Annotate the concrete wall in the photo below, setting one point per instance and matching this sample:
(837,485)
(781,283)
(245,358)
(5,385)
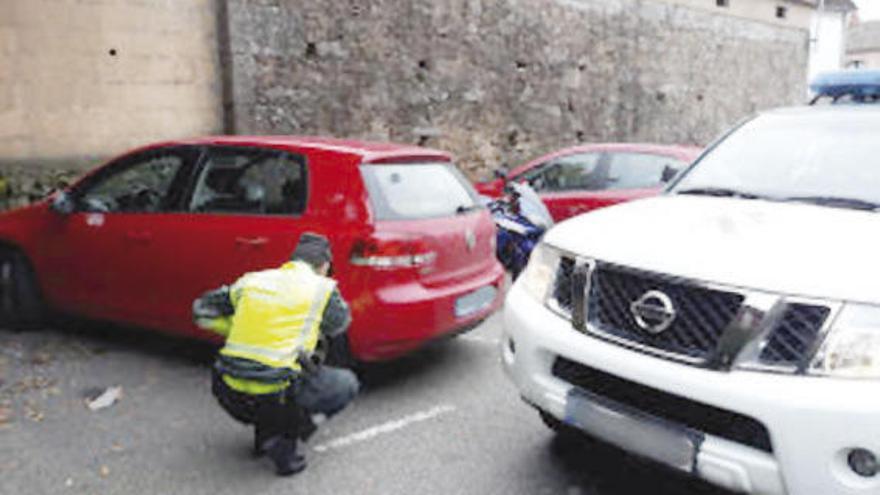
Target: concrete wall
(85,79)
(505,80)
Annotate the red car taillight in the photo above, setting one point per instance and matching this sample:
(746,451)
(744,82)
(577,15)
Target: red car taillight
(390,252)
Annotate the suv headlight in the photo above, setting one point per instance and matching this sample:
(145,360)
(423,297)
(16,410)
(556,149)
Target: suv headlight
(852,348)
(538,276)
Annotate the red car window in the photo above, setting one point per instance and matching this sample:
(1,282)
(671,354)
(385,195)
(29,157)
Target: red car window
(148,182)
(584,171)
(250,181)
(641,170)
(414,191)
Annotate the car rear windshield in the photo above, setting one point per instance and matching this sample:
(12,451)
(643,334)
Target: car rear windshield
(417,190)
(823,153)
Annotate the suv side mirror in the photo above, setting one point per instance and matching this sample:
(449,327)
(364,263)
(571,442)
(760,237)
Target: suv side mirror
(500,173)
(62,203)
(668,174)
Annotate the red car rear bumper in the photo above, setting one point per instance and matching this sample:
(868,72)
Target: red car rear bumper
(394,320)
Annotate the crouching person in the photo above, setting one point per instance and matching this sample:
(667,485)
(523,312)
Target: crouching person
(268,373)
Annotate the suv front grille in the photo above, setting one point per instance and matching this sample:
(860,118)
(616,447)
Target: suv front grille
(562,289)
(702,417)
(792,340)
(703,314)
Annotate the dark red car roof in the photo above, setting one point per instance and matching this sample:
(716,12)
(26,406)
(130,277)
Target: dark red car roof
(686,153)
(368,151)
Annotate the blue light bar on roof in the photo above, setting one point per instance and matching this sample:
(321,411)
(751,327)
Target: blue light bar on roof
(855,82)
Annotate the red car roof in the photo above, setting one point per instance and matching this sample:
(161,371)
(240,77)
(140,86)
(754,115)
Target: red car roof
(369,151)
(684,152)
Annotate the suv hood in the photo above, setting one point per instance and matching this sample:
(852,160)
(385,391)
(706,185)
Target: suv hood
(790,248)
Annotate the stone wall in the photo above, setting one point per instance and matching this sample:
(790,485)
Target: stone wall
(504,80)
(493,81)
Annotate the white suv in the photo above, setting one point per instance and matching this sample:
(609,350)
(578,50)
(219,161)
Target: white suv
(729,328)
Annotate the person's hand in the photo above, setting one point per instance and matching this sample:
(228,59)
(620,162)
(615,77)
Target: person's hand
(309,363)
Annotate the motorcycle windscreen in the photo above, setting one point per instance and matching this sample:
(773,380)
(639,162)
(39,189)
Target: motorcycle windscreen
(532,207)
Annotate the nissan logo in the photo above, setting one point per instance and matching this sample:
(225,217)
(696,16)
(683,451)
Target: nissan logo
(654,312)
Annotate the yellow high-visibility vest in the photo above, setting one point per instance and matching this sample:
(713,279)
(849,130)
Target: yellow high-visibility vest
(278,314)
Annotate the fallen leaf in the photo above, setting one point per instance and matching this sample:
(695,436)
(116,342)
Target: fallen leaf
(41,358)
(105,471)
(117,448)
(34,414)
(5,415)
(105,399)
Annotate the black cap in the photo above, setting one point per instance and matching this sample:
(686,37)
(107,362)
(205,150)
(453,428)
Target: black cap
(313,248)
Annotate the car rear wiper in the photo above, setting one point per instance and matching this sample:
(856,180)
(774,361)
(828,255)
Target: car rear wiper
(721,192)
(837,202)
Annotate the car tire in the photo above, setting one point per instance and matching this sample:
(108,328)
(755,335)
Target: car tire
(564,435)
(21,303)
(551,421)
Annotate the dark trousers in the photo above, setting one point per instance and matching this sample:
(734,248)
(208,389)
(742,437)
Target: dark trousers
(287,413)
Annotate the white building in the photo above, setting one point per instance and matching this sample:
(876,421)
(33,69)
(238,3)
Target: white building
(828,35)
(863,45)
(794,13)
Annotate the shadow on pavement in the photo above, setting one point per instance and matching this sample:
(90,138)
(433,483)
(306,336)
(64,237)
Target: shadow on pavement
(597,467)
(389,374)
(99,337)
(103,337)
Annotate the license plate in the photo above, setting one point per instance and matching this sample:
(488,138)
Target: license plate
(633,430)
(475,301)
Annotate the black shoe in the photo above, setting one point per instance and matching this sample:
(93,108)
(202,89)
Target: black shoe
(307,428)
(259,449)
(259,444)
(283,453)
(260,441)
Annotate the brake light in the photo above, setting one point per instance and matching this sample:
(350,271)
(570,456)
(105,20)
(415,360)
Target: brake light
(387,252)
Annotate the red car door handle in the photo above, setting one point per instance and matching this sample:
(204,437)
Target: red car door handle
(251,241)
(140,237)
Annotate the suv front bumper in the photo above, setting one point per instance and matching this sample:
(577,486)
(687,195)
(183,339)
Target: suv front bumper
(813,422)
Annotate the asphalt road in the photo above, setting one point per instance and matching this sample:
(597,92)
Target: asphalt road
(444,421)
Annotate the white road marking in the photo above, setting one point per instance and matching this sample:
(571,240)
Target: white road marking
(384,428)
(479,339)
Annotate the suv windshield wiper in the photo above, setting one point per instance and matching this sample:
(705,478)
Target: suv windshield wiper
(461,209)
(837,202)
(720,192)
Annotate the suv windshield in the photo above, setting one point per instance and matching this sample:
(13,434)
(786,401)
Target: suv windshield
(413,191)
(822,156)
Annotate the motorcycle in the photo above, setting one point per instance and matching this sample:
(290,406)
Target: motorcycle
(521,220)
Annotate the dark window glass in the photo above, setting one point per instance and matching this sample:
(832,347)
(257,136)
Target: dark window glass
(585,171)
(251,181)
(641,170)
(145,183)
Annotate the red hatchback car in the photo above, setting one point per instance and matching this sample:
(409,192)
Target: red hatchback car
(138,239)
(583,178)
